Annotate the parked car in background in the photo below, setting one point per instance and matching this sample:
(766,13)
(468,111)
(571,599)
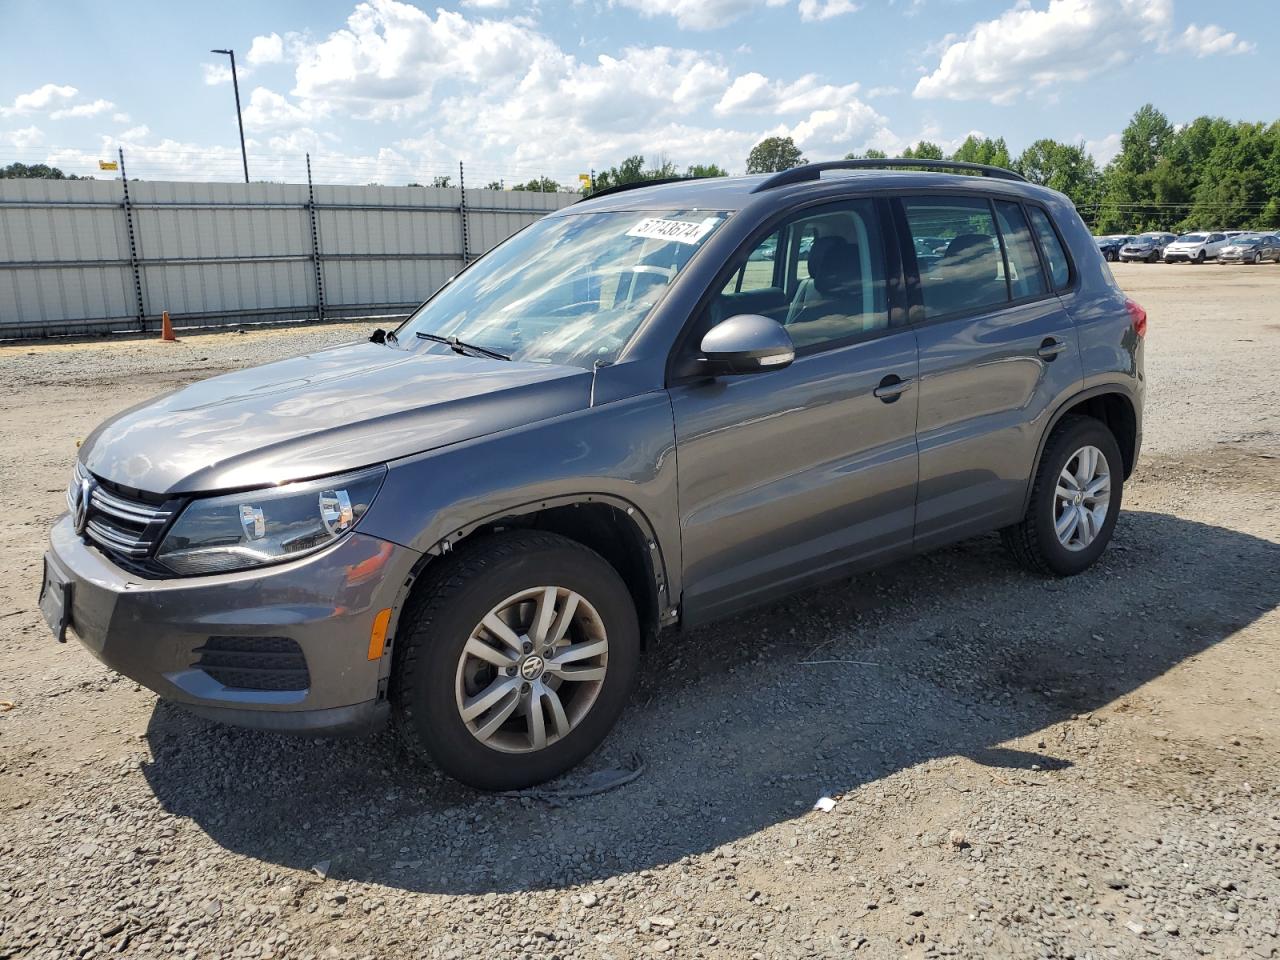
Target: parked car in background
(1195,248)
(662,405)
(1147,247)
(1231,234)
(1110,246)
(1251,248)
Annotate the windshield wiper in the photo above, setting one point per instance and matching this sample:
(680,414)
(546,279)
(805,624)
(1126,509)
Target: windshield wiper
(458,346)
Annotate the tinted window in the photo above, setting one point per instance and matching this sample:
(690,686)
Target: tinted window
(1025,277)
(1056,257)
(966,272)
(833,285)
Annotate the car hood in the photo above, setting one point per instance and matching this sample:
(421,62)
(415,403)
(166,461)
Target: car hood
(322,413)
(1187,244)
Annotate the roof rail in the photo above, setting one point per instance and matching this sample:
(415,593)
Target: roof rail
(812,171)
(634,185)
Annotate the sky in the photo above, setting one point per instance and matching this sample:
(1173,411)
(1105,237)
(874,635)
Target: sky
(390,92)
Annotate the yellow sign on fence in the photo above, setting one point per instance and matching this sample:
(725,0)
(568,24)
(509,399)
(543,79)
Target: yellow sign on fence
(107,165)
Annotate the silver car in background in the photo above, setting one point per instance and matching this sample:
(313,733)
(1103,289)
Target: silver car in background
(1251,248)
(1147,247)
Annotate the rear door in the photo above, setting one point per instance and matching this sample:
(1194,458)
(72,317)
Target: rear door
(997,352)
(787,475)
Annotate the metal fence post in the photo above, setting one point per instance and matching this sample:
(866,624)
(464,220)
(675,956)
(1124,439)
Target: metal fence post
(133,247)
(315,243)
(462,212)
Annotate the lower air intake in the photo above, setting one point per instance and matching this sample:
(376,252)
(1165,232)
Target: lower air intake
(254,663)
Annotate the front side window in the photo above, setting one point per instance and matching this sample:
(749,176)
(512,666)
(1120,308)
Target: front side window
(968,274)
(1055,257)
(567,290)
(826,280)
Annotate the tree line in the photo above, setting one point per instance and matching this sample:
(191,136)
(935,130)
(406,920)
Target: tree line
(1209,173)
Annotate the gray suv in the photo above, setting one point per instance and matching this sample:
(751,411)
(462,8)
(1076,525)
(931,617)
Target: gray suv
(656,407)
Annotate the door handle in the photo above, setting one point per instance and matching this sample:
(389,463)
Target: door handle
(1050,348)
(892,387)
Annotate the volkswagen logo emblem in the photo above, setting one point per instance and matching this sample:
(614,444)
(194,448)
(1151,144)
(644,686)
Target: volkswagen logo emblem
(80,505)
(531,669)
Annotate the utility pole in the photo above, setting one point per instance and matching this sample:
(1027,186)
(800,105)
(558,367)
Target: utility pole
(235,83)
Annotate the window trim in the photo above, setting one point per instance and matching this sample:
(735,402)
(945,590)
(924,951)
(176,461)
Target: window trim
(1045,276)
(916,316)
(894,279)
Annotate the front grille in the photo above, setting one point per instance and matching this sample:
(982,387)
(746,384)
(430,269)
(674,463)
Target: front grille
(121,524)
(254,663)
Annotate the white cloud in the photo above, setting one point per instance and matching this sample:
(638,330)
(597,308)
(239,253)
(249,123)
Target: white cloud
(82,110)
(268,110)
(266,49)
(1105,149)
(1210,40)
(756,92)
(216,73)
(38,99)
(814,10)
(702,14)
(22,138)
(486,4)
(120,117)
(140,132)
(1026,49)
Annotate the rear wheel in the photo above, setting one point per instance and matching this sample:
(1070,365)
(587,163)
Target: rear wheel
(516,660)
(1075,500)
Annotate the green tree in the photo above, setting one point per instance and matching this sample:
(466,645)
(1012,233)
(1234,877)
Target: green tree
(494,185)
(924,150)
(870,154)
(1065,167)
(36,171)
(773,154)
(539,185)
(983,150)
(442,181)
(698,171)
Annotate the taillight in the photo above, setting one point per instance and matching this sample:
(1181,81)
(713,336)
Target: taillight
(1138,316)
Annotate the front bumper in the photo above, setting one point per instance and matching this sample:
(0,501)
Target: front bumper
(1179,256)
(324,605)
(1137,254)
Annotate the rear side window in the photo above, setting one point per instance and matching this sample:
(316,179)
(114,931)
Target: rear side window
(1025,277)
(1059,269)
(957,252)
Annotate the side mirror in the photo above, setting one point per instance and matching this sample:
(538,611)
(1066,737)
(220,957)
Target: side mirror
(747,343)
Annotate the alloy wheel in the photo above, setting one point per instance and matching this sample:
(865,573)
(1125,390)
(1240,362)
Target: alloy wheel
(1082,498)
(531,669)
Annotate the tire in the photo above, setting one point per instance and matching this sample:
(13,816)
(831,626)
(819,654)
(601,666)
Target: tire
(1154,258)
(1034,541)
(434,672)
(1200,258)
(1254,260)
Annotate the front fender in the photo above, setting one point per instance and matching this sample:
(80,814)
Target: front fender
(622,453)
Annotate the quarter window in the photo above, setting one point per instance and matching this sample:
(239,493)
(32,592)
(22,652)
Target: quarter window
(1025,278)
(1059,269)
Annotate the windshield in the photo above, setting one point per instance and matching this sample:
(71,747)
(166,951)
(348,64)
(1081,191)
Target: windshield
(1191,238)
(1142,240)
(1246,241)
(569,289)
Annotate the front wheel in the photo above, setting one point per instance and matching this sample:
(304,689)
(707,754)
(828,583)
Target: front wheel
(1075,500)
(516,660)
(1200,257)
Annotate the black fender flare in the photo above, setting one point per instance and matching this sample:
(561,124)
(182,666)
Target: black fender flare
(1061,411)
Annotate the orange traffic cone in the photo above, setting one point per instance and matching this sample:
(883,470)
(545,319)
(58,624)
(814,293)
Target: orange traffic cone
(166,328)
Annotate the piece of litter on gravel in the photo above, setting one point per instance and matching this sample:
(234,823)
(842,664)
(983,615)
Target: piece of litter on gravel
(1136,928)
(6,706)
(321,869)
(598,781)
(825,804)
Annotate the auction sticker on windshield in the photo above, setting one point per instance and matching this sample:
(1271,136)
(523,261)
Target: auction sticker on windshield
(681,231)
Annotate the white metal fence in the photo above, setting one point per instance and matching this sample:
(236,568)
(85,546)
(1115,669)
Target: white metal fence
(87,256)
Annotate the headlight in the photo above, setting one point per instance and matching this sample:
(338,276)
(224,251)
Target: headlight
(259,527)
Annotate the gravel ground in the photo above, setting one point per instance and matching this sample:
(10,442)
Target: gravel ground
(1020,767)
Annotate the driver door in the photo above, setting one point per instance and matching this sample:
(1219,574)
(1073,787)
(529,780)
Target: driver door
(796,474)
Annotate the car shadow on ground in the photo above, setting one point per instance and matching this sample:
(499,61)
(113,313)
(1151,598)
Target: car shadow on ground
(744,724)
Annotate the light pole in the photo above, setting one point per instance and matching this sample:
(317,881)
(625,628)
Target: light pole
(235,83)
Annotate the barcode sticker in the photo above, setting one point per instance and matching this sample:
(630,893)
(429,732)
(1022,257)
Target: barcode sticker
(680,231)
